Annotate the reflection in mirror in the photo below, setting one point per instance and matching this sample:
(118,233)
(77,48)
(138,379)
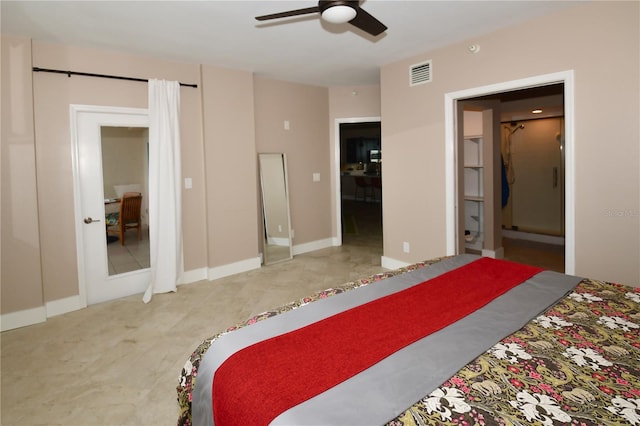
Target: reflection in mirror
(125,170)
(275,207)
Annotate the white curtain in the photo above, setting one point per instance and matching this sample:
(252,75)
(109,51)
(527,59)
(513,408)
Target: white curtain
(165,201)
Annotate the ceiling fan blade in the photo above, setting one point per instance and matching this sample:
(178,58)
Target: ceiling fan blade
(368,23)
(296,12)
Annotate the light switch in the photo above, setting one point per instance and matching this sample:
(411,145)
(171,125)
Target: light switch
(286,125)
(188,183)
(316,177)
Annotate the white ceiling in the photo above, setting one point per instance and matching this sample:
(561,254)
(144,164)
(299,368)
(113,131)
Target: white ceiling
(302,49)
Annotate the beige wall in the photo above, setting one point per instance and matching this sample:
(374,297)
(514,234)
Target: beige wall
(20,282)
(306,145)
(220,212)
(600,41)
(231,168)
(52,95)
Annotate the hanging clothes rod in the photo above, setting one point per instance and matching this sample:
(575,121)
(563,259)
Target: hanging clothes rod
(86,74)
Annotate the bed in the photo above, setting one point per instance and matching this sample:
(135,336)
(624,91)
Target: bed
(518,346)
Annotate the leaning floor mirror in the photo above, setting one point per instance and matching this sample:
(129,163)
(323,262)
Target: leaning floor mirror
(275,207)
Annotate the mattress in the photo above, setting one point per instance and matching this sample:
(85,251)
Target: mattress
(552,349)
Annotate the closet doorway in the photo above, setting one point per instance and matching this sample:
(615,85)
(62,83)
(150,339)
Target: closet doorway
(529,221)
(537,218)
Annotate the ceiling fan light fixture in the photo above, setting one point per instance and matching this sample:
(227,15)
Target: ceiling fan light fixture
(339,14)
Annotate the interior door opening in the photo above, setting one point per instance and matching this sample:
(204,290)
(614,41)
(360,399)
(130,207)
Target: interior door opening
(361,183)
(532,188)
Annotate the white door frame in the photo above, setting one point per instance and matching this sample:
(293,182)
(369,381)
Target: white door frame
(135,117)
(337,239)
(450,113)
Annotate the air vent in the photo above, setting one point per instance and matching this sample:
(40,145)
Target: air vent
(420,73)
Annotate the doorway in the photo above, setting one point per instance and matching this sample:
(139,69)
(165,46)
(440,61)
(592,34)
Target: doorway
(89,124)
(564,80)
(359,189)
(529,218)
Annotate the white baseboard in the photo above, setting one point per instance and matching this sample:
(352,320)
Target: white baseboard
(233,268)
(40,314)
(62,306)
(496,254)
(389,263)
(312,246)
(193,276)
(23,318)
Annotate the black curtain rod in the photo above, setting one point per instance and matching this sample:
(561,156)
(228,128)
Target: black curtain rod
(86,74)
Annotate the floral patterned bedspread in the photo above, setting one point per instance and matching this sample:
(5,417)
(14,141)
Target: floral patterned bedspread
(577,363)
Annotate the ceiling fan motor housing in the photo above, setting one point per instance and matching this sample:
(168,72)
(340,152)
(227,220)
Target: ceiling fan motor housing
(338,12)
(327,4)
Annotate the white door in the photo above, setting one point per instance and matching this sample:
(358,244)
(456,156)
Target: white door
(95,283)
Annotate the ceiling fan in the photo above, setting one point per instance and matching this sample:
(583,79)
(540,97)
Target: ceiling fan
(337,12)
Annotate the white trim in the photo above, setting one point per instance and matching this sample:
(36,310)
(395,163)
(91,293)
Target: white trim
(23,318)
(193,276)
(450,173)
(233,268)
(74,111)
(335,187)
(314,245)
(389,263)
(565,77)
(496,254)
(63,306)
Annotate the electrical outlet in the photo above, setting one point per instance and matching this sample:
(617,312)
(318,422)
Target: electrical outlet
(405,247)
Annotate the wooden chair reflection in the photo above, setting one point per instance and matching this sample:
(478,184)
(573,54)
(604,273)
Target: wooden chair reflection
(127,218)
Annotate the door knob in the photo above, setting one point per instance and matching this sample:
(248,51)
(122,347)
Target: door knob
(89,220)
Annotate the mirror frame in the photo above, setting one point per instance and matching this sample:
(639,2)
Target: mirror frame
(270,182)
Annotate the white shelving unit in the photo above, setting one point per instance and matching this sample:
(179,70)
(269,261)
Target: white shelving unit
(473,192)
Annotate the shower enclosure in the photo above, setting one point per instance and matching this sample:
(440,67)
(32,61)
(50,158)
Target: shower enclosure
(532,151)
